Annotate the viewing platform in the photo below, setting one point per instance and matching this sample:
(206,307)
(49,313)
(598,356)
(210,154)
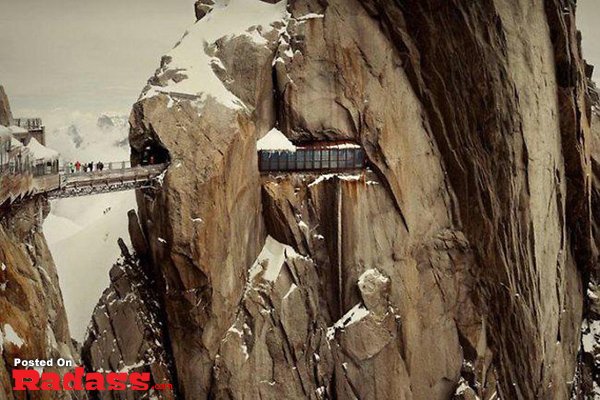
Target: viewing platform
(276,153)
(312,159)
(55,183)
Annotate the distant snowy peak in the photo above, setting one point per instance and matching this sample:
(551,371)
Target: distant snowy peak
(91,137)
(112,122)
(75,136)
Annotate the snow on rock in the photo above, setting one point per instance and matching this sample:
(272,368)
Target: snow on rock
(12,337)
(275,140)
(5,132)
(343,145)
(343,177)
(271,259)
(293,287)
(189,59)
(591,337)
(41,152)
(357,313)
(16,129)
(310,16)
(374,290)
(372,274)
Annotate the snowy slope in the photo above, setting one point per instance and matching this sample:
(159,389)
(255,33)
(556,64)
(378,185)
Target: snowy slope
(82,232)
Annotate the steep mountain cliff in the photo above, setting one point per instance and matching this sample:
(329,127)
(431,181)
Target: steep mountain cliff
(6,118)
(454,266)
(33,323)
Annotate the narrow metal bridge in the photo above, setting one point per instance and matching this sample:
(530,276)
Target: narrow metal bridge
(104,181)
(16,184)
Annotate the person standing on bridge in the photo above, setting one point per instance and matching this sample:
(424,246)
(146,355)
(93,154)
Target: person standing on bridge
(77,166)
(91,166)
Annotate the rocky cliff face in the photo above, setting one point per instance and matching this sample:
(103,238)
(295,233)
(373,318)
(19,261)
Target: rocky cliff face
(6,117)
(454,267)
(33,323)
(588,373)
(126,333)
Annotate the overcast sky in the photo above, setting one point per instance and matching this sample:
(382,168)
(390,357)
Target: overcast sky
(95,55)
(84,55)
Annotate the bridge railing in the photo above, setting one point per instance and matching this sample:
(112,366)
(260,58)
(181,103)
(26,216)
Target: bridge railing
(311,159)
(71,169)
(29,123)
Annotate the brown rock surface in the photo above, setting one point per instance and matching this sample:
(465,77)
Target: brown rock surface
(6,117)
(33,323)
(126,332)
(453,268)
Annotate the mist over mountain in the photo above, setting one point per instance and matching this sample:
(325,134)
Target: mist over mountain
(88,137)
(82,232)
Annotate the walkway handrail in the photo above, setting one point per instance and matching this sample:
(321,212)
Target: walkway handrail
(69,168)
(311,159)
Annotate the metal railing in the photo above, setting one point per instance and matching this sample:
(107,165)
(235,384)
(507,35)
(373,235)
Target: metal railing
(311,159)
(18,161)
(71,168)
(30,124)
(107,180)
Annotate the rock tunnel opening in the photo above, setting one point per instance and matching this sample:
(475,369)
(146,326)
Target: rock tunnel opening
(152,153)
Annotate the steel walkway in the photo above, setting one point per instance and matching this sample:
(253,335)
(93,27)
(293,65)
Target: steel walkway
(106,181)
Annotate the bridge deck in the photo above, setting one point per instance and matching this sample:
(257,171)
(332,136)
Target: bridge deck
(18,186)
(86,183)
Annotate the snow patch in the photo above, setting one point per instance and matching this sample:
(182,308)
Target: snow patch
(373,274)
(591,336)
(10,336)
(83,242)
(41,152)
(189,58)
(271,259)
(342,177)
(243,345)
(357,313)
(128,368)
(275,140)
(291,290)
(322,178)
(310,16)
(302,225)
